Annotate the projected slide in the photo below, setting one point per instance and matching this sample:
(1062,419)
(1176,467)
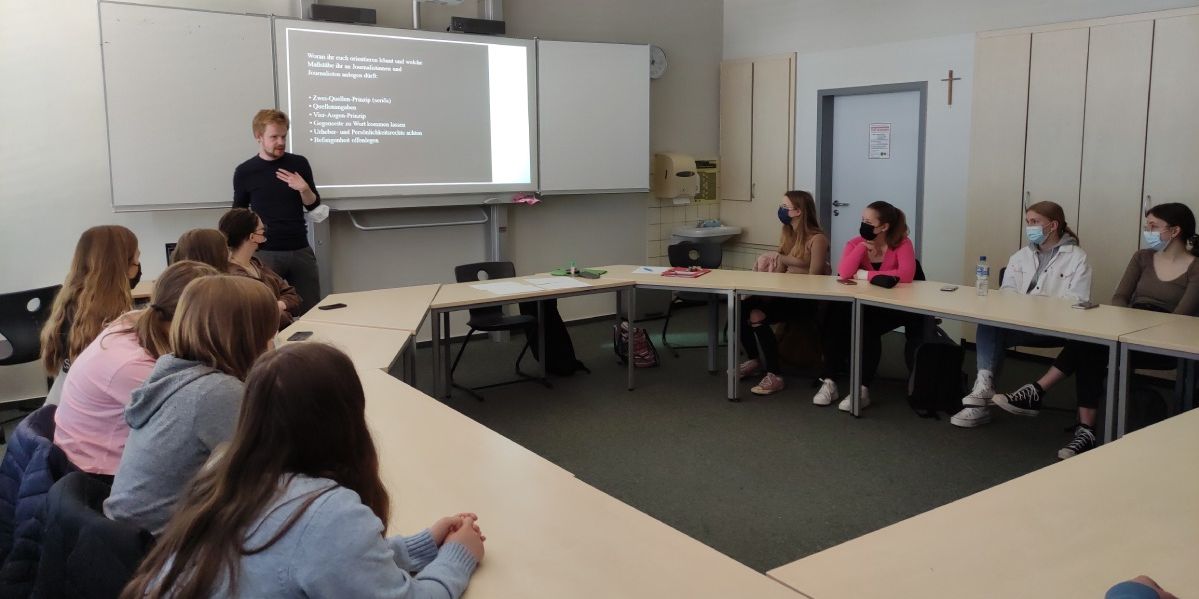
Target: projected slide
(395,113)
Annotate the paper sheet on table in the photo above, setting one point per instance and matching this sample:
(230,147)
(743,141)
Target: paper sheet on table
(507,288)
(650,270)
(557,283)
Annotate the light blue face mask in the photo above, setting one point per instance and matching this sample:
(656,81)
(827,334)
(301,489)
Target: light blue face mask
(1153,240)
(1035,234)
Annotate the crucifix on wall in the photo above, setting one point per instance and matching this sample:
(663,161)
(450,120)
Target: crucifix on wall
(951,79)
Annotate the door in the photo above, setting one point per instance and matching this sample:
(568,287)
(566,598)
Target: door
(875,156)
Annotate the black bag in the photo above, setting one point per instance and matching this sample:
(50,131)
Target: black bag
(937,383)
(560,359)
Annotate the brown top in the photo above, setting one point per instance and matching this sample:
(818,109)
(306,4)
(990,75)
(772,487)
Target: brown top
(812,254)
(1140,287)
(283,290)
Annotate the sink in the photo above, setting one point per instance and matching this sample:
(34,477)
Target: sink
(719,234)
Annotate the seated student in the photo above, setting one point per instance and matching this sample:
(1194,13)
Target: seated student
(803,249)
(203,245)
(1141,587)
(295,508)
(106,267)
(189,404)
(882,249)
(90,423)
(1051,265)
(1163,278)
(244,232)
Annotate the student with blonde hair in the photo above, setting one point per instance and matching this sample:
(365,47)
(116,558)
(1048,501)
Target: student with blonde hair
(90,422)
(105,268)
(189,404)
(244,233)
(203,245)
(295,507)
(803,249)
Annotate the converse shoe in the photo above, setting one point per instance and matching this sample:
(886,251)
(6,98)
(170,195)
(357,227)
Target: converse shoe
(983,391)
(846,404)
(769,384)
(971,416)
(827,392)
(749,368)
(1084,439)
(1025,401)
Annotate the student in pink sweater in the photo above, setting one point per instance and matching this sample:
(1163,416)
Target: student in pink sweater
(90,422)
(882,248)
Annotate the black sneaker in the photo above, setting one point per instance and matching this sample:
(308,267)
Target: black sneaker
(1084,439)
(1025,401)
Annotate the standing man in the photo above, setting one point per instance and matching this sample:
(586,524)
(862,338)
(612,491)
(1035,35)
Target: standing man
(278,187)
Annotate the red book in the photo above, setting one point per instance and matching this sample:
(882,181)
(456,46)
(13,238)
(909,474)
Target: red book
(686,272)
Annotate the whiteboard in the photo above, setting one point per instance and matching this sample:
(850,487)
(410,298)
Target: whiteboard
(593,106)
(181,87)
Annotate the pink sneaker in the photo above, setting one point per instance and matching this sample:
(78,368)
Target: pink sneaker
(748,368)
(769,384)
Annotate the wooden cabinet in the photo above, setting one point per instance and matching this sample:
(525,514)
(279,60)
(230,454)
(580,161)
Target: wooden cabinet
(1172,142)
(1057,83)
(757,143)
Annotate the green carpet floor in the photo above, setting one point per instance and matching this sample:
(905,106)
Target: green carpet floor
(767,480)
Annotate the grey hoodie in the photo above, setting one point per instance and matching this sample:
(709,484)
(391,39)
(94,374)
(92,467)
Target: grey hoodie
(176,419)
(337,549)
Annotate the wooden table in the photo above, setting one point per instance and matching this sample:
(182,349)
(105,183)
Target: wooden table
(368,347)
(464,296)
(143,290)
(1072,529)
(402,308)
(1037,314)
(1177,337)
(548,534)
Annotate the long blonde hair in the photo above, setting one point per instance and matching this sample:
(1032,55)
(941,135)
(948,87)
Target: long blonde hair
(153,324)
(95,292)
(795,236)
(203,245)
(225,322)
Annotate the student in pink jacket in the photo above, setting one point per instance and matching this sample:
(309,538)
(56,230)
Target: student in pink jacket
(90,422)
(882,249)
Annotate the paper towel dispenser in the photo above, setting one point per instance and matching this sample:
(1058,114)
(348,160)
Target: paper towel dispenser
(674,176)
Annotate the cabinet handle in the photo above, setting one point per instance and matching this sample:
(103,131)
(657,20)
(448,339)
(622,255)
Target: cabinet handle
(1148,202)
(753,190)
(1027,199)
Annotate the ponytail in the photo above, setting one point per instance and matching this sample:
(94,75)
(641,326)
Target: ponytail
(153,325)
(890,215)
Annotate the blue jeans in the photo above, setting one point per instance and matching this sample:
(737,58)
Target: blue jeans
(991,344)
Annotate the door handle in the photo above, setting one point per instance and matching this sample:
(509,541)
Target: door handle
(840,204)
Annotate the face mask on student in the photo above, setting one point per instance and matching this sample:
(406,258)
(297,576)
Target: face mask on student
(1154,241)
(137,278)
(867,232)
(784,215)
(1035,234)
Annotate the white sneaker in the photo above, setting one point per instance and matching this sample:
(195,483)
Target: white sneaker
(827,392)
(984,390)
(846,404)
(971,416)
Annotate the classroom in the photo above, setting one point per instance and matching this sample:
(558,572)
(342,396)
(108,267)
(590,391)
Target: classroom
(634,298)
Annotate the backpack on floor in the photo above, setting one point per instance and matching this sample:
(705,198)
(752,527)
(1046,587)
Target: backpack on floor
(560,357)
(937,383)
(645,355)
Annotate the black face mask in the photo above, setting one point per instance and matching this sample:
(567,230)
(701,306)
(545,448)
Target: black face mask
(867,232)
(137,278)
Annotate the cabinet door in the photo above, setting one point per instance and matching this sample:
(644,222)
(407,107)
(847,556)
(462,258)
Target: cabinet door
(994,214)
(1114,150)
(771,167)
(1172,147)
(736,126)
(1057,85)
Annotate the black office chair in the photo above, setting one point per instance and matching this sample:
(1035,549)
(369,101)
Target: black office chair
(491,319)
(22,315)
(685,254)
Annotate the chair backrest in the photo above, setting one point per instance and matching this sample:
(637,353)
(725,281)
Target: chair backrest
(479,271)
(22,315)
(85,554)
(687,253)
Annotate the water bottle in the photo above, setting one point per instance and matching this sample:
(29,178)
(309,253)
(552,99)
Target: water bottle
(982,276)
